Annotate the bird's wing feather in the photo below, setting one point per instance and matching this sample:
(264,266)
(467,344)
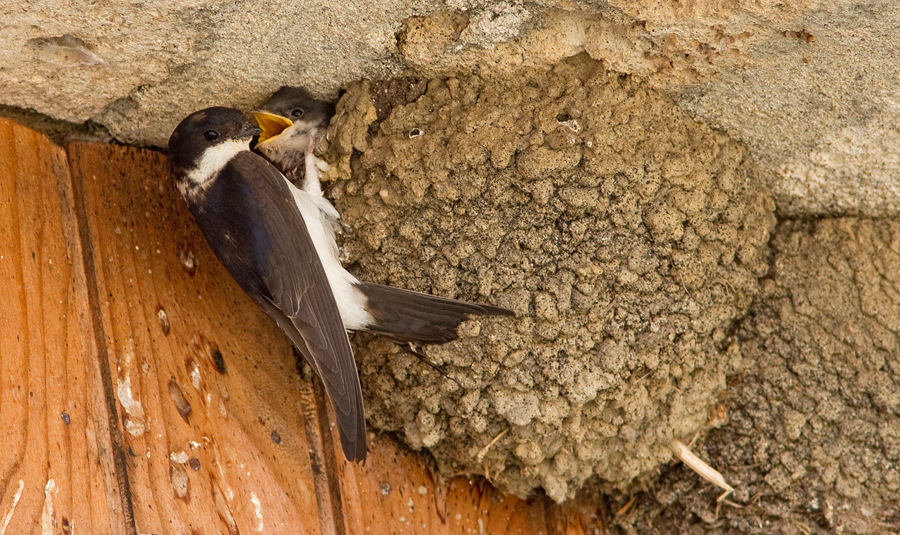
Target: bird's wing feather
(299,290)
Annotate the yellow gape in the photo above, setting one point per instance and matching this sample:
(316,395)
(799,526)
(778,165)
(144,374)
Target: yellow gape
(272,125)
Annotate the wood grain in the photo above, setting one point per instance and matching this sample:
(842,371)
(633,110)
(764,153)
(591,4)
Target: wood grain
(396,492)
(56,465)
(143,392)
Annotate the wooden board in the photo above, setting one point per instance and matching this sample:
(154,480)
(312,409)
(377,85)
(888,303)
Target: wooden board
(143,392)
(57,468)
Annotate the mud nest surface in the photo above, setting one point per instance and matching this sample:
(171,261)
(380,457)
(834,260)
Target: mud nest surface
(627,238)
(812,442)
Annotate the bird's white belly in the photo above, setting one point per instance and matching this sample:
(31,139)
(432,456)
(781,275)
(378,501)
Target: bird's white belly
(320,216)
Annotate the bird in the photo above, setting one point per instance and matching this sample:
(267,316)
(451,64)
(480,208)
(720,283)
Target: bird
(278,242)
(292,121)
(255,224)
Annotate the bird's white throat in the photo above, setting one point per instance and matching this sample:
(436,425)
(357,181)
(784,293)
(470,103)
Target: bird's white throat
(214,159)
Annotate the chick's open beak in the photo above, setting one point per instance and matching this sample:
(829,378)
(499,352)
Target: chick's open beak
(272,125)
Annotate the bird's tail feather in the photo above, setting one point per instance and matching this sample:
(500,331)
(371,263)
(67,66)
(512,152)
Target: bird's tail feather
(407,316)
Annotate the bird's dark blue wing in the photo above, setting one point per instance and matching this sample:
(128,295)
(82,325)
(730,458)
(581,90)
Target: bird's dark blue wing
(252,222)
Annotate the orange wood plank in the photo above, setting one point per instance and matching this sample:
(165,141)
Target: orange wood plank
(396,492)
(236,460)
(56,463)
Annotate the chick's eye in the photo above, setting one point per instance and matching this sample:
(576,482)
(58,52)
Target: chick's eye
(211,135)
(297,112)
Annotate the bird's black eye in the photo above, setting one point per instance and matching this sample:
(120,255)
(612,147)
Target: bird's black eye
(297,113)
(211,135)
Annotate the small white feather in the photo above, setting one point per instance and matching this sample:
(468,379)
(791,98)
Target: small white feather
(311,183)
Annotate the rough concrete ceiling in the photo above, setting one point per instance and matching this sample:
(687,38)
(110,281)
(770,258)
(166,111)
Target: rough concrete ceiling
(809,86)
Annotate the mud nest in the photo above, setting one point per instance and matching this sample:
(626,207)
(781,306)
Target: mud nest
(627,238)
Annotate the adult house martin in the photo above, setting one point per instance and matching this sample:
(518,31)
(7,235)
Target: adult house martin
(256,224)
